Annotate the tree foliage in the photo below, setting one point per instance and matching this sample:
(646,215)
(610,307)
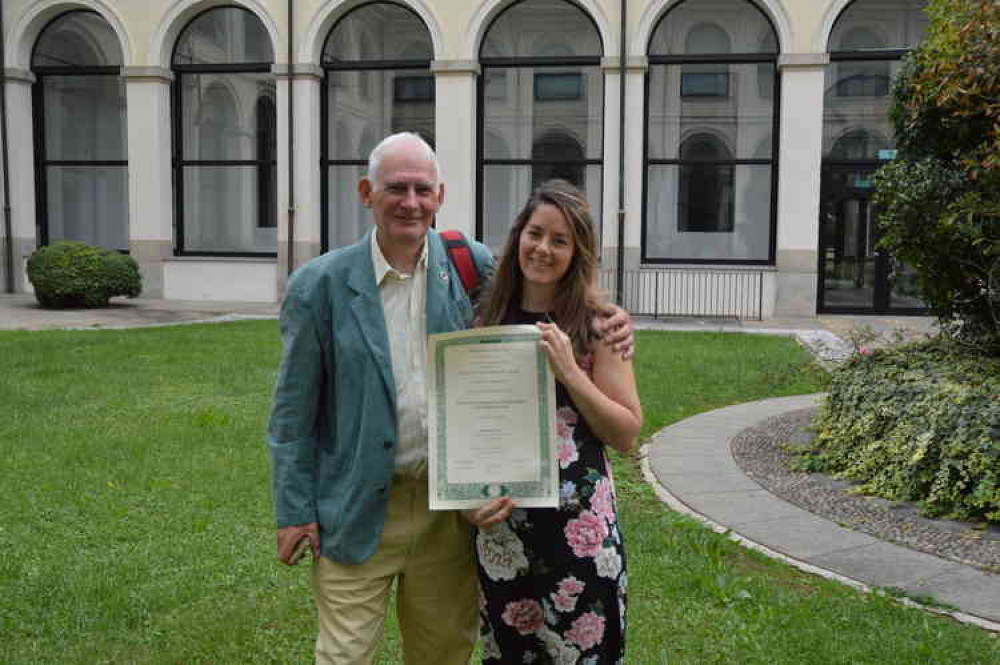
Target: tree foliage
(941,198)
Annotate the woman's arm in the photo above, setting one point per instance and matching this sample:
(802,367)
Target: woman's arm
(609,402)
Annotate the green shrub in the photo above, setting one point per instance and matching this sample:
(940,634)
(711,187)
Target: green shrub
(916,422)
(940,201)
(74,274)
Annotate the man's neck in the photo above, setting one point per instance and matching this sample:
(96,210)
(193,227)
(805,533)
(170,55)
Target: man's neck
(402,257)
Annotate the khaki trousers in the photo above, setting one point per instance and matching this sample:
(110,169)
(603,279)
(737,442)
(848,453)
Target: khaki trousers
(430,555)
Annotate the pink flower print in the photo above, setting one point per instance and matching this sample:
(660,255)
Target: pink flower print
(586,534)
(566,415)
(563,602)
(567,453)
(563,431)
(601,502)
(524,616)
(571,586)
(587,630)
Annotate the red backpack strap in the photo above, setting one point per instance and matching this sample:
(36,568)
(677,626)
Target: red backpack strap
(461,257)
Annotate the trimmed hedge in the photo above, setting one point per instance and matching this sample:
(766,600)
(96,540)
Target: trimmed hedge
(917,422)
(73,274)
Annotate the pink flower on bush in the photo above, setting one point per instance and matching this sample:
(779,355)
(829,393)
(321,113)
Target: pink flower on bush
(866,351)
(524,616)
(587,630)
(586,534)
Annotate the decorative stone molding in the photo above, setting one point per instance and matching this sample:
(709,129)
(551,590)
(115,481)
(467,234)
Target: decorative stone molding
(456,67)
(633,64)
(804,60)
(15,75)
(160,74)
(300,71)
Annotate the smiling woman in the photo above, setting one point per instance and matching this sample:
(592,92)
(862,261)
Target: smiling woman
(554,580)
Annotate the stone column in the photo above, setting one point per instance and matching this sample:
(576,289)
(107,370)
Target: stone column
(307,215)
(21,161)
(635,91)
(150,185)
(455,142)
(801,150)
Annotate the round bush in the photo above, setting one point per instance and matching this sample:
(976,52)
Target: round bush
(73,274)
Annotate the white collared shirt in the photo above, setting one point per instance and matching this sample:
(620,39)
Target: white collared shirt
(404,301)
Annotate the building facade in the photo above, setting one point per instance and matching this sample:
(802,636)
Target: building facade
(726,146)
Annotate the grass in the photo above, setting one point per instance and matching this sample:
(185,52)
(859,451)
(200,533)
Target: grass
(136,524)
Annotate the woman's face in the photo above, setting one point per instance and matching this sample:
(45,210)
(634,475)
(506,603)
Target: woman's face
(546,246)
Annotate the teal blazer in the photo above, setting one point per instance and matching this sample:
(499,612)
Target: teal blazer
(332,430)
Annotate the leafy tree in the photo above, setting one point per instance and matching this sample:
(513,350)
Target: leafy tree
(941,198)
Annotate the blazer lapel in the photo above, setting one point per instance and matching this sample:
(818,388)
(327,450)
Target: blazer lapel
(440,309)
(366,306)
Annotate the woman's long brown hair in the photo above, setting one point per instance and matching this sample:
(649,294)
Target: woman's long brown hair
(577,299)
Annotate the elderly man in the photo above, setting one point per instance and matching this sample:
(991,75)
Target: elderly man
(348,428)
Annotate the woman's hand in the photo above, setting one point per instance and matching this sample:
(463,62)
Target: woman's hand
(559,348)
(490,514)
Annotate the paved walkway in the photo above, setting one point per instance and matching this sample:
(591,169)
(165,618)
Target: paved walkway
(691,466)
(689,463)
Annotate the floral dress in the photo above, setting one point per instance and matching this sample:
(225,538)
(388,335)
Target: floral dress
(553,580)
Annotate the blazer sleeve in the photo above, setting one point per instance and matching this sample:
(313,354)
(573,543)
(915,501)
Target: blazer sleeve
(292,428)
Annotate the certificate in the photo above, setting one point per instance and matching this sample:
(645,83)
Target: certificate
(491,419)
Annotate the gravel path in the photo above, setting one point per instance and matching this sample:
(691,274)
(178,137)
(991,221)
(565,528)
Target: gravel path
(759,451)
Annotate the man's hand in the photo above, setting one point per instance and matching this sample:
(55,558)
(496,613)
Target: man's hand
(492,513)
(289,538)
(614,326)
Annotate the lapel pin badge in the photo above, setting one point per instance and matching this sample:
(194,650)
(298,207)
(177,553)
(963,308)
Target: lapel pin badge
(443,275)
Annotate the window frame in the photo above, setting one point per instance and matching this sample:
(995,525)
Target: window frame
(772,162)
(407,64)
(41,161)
(178,161)
(499,63)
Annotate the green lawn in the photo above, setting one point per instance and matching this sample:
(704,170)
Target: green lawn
(136,523)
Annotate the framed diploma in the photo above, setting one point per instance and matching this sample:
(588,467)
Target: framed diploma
(491,411)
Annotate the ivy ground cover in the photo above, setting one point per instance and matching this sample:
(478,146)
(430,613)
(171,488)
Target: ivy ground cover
(136,524)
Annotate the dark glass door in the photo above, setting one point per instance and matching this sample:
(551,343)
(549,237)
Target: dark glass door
(854,276)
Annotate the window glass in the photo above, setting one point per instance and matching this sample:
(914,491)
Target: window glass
(88,203)
(81,150)
(77,39)
(379,31)
(873,25)
(710,134)
(542,28)
(224,36)
(378,82)
(84,117)
(703,27)
(227,148)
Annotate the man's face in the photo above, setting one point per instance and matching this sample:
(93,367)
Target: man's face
(405,198)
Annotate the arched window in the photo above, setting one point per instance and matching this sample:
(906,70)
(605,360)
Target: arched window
(710,106)
(80,132)
(541,99)
(866,44)
(377,82)
(225,136)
